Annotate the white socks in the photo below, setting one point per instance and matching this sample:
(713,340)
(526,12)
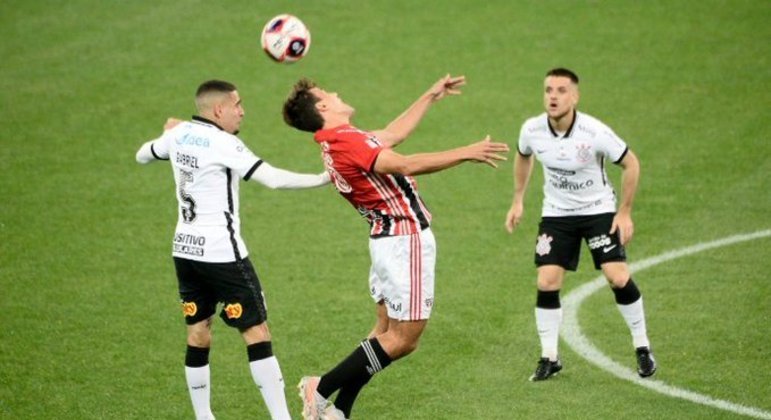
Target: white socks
(267,375)
(199,386)
(548,323)
(634,315)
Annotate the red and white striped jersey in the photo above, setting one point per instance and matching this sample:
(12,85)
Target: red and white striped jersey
(390,202)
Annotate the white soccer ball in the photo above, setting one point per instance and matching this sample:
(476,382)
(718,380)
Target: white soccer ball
(285,38)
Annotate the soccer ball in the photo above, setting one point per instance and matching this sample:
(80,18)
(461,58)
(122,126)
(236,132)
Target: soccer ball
(286,39)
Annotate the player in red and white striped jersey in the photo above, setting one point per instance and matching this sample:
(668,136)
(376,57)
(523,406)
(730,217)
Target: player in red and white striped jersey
(379,183)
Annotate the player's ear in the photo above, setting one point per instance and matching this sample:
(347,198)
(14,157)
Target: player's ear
(216,110)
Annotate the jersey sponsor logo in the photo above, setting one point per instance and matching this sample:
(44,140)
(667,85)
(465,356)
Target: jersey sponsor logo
(189,244)
(234,310)
(188,250)
(587,130)
(543,245)
(563,183)
(187,160)
(559,171)
(192,140)
(184,238)
(599,242)
(189,308)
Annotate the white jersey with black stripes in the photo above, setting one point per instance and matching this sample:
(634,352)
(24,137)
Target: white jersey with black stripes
(208,164)
(575,182)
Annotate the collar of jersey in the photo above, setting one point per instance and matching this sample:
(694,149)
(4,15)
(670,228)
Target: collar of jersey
(206,121)
(570,129)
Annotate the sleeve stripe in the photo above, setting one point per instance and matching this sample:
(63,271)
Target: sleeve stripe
(155,155)
(251,171)
(622,156)
(523,154)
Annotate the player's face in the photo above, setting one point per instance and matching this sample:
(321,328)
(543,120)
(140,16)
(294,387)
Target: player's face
(330,102)
(560,96)
(231,113)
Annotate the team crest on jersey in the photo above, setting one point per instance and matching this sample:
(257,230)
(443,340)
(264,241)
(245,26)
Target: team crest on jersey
(583,152)
(189,308)
(543,246)
(234,310)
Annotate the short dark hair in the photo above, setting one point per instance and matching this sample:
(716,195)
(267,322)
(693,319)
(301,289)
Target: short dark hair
(215,86)
(300,107)
(563,72)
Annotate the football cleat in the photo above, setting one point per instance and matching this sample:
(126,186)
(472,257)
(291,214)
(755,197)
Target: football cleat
(646,364)
(332,413)
(313,403)
(546,369)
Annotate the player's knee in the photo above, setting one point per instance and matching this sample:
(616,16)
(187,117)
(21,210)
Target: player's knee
(199,338)
(405,346)
(256,333)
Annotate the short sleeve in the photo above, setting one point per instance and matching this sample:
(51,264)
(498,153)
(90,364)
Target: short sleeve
(160,147)
(523,146)
(236,156)
(610,145)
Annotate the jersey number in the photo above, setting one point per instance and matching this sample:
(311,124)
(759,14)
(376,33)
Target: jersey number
(188,208)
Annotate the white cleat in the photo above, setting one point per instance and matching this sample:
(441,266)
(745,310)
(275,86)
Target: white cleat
(313,403)
(332,413)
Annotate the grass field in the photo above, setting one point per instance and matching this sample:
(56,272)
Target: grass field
(90,326)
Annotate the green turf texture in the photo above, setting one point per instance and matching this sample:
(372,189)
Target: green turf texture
(90,326)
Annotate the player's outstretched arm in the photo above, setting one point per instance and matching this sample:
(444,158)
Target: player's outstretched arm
(523,167)
(485,151)
(277,178)
(398,130)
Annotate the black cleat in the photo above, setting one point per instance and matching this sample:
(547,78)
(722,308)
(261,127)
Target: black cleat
(546,369)
(646,364)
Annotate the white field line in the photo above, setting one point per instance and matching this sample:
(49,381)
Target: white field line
(571,331)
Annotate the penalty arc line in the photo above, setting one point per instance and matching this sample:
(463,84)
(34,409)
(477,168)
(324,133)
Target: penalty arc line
(572,335)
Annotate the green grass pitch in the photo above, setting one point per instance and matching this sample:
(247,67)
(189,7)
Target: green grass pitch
(90,326)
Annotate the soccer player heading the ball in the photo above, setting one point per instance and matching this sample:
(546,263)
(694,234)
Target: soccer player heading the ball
(210,257)
(379,183)
(579,203)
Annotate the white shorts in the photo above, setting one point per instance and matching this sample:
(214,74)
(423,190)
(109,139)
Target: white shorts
(402,274)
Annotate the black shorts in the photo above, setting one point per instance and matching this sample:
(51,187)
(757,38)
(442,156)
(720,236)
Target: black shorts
(559,240)
(202,285)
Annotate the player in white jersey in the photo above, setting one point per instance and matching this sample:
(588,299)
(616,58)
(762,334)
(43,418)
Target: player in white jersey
(211,260)
(579,203)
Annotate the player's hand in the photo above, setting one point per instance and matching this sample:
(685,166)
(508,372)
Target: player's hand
(622,223)
(447,85)
(514,216)
(487,151)
(171,122)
